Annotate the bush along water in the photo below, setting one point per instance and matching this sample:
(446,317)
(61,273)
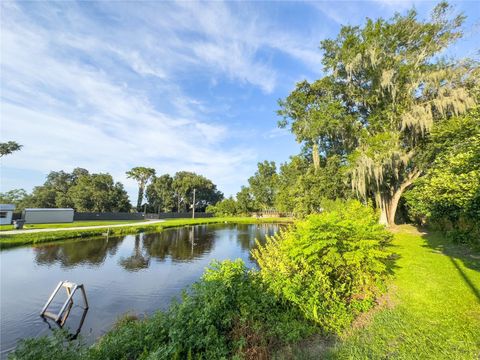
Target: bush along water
(331,265)
(314,277)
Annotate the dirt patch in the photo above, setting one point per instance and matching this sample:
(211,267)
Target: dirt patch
(310,348)
(386,301)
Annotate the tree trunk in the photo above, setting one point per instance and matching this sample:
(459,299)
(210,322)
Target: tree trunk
(388,208)
(316,157)
(388,203)
(140,197)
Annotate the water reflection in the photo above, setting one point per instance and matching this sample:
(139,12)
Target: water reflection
(138,260)
(72,323)
(134,273)
(179,245)
(184,244)
(71,254)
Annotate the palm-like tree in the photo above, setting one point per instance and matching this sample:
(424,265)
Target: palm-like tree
(142,175)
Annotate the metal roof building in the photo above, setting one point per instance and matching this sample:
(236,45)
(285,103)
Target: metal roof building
(47,216)
(6,213)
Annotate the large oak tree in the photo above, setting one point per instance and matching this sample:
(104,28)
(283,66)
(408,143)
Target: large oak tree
(385,85)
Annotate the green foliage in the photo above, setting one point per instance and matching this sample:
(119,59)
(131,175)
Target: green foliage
(229,313)
(245,201)
(17,197)
(98,192)
(448,196)
(80,190)
(167,193)
(131,338)
(226,207)
(160,194)
(9,147)
(384,87)
(303,189)
(142,175)
(184,182)
(55,347)
(330,265)
(263,185)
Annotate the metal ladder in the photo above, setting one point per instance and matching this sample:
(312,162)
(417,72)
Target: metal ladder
(62,315)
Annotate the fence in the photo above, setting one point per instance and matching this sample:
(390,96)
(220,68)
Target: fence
(272,213)
(135,216)
(177,215)
(107,216)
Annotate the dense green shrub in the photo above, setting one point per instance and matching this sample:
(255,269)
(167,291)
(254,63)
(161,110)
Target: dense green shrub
(448,196)
(331,265)
(229,313)
(226,207)
(55,347)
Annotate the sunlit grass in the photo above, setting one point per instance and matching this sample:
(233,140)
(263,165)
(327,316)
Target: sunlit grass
(434,310)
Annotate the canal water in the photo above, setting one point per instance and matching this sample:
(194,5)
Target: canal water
(134,273)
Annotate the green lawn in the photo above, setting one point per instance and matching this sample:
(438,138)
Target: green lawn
(72,224)
(9,240)
(433,308)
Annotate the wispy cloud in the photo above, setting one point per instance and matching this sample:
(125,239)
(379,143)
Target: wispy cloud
(70,113)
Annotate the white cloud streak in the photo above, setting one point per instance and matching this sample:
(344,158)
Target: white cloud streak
(104,93)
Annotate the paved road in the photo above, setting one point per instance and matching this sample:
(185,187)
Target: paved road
(29,231)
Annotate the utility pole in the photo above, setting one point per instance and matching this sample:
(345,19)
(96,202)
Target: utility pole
(193,206)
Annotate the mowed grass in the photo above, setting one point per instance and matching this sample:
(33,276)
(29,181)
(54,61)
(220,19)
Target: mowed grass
(432,312)
(11,240)
(72,224)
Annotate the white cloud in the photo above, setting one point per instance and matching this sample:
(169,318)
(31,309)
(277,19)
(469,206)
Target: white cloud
(69,114)
(106,93)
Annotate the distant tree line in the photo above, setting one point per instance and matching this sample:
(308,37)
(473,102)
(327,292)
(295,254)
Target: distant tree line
(79,189)
(91,192)
(168,193)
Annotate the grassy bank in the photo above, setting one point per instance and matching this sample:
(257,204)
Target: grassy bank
(72,224)
(9,241)
(432,310)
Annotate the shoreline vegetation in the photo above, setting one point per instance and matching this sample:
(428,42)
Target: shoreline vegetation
(267,314)
(80,223)
(14,240)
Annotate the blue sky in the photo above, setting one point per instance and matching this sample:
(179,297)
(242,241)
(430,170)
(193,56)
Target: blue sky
(170,85)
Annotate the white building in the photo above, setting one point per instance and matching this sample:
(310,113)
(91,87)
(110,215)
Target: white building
(6,213)
(47,216)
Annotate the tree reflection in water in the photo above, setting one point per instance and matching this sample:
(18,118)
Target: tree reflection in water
(72,253)
(183,244)
(138,260)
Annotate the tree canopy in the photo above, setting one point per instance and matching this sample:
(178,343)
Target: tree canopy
(79,189)
(9,147)
(142,175)
(167,193)
(384,88)
(448,196)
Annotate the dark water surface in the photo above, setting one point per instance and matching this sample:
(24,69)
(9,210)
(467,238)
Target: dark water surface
(133,273)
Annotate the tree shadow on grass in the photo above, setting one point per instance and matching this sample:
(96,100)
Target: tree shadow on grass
(458,254)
